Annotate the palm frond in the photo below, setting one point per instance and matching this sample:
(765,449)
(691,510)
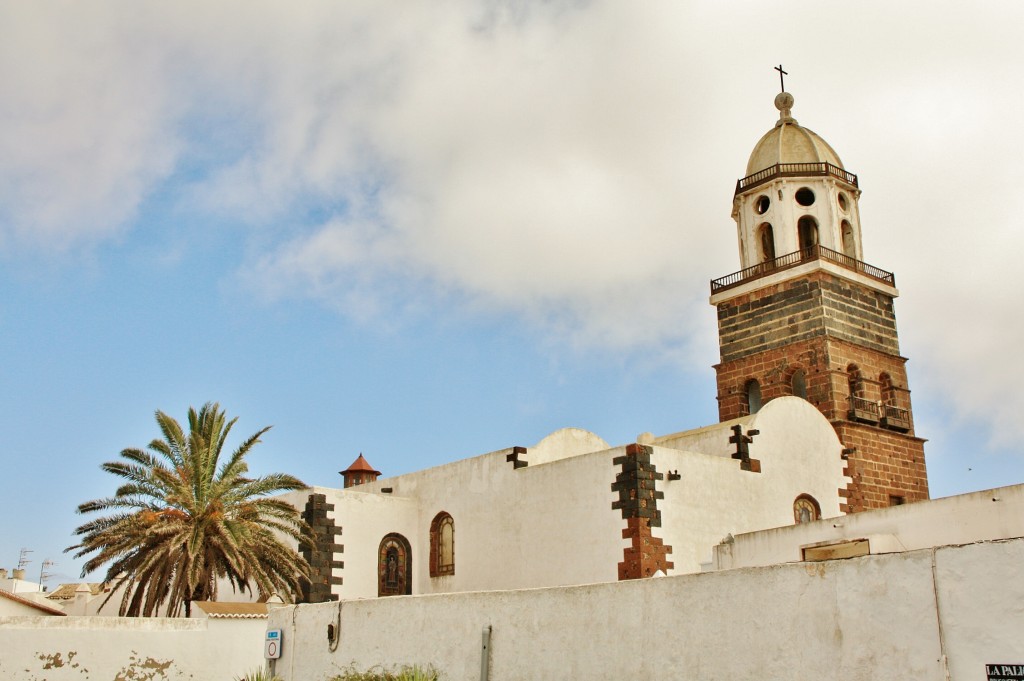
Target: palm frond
(183,520)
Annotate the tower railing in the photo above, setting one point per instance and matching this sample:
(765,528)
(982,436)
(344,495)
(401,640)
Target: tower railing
(795,170)
(863,410)
(790,260)
(895,418)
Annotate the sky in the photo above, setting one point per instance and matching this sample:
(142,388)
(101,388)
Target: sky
(424,231)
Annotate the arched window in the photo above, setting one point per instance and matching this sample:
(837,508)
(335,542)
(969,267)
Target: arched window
(861,408)
(855,380)
(849,248)
(394,566)
(799,383)
(808,232)
(442,545)
(766,238)
(806,509)
(888,390)
(753,392)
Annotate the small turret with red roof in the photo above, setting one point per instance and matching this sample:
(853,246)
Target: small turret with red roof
(359,472)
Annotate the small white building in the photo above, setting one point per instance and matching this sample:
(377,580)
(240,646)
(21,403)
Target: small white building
(13,605)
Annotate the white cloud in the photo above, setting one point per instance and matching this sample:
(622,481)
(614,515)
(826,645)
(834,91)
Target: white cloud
(569,163)
(84,134)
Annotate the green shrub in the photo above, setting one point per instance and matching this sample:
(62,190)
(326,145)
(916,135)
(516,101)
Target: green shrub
(378,674)
(257,675)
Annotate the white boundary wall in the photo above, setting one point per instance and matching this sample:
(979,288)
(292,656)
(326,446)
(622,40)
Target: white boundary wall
(978,516)
(929,615)
(128,648)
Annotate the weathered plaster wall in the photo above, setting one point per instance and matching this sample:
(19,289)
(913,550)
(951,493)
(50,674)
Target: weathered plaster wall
(128,649)
(898,616)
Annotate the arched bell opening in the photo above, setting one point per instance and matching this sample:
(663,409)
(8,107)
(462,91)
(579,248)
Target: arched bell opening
(766,242)
(807,231)
(849,246)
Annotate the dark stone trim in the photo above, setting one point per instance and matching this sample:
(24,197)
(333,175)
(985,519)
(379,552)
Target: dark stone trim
(513,457)
(638,504)
(319,551)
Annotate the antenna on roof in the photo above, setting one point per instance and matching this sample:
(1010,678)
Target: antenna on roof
(23,558)
(43,574)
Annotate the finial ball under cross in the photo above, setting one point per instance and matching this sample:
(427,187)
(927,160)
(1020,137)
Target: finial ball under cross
(782,81)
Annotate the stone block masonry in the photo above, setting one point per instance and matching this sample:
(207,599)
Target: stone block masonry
(842,336)
(824,362)
(638,503)
(885,468)
(319,551)
(818,304)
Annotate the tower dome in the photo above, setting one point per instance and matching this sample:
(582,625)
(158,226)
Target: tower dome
(789,142)
(796,197)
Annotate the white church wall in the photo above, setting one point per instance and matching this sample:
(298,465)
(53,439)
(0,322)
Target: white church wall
(985,515)
(365,519)
(565,443)
(535,526)
(104,648)
(799,454)
(566,531)
(875,617)
(552,523)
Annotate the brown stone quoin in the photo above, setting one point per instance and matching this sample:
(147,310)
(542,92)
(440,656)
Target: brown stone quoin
(638,502)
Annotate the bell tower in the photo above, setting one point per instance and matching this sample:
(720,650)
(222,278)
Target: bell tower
(806,316)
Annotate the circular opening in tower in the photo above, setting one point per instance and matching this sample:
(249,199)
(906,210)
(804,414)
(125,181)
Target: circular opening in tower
(762,204)
(804,196)
(843,202)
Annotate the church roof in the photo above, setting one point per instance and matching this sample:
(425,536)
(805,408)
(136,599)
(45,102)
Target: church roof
(789,142)
(360,465)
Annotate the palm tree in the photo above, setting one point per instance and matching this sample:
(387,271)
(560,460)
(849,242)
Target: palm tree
(180,523)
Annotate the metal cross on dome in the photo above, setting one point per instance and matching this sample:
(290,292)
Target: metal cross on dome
(782,74)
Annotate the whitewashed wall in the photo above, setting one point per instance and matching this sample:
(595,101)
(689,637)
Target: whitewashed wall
(897,616)
(106,648)
(552,523)
(985,515)
(799,454)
